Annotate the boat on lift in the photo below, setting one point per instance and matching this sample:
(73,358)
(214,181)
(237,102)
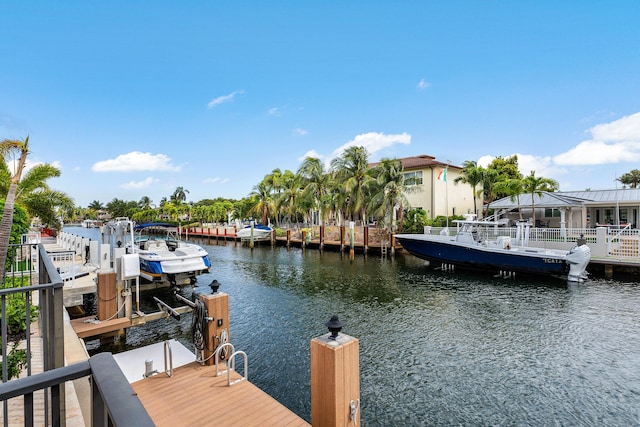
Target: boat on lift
(472,249)
(166,258)
(163,257)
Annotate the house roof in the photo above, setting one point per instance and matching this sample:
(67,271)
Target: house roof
(572,198)
(421,161)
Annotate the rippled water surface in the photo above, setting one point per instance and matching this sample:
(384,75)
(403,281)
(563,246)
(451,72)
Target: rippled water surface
(435,348)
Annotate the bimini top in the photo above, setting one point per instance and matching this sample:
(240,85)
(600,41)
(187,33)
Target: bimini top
(139,227)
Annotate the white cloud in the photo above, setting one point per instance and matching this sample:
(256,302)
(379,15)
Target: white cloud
(614,142)
(224,98)
(374,142)
(274,112)
(136,161)
(300,132)
(133,185)
(215,180)
(423,84)
(311,153)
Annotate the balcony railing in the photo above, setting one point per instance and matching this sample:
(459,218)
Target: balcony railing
(31,275)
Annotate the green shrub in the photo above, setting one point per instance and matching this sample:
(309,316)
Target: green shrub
(16,361)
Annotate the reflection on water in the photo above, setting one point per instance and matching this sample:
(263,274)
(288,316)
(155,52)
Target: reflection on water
(435,348)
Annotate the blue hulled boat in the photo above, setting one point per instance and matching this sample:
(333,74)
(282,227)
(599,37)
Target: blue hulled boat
(470,248)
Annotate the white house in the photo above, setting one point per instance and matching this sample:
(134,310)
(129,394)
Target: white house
(576,209)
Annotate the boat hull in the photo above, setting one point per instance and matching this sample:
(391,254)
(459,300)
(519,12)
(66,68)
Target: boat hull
(180,265)
(477,257)
(258,233)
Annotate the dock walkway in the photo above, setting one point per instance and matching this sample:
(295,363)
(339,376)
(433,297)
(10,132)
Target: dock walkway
(196,396)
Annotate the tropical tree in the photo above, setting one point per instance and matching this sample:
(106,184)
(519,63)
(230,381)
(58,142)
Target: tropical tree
(262,201)
(179,195)
(96,205)
(513,187)
(536,185)
(9,148)
(473,175)
(317,183)
(47,205)
(145,203)
(117,207)
(351,170)
(505,168)
(391,189)
(291,194)
(632,178)
(490,178)
(34,193)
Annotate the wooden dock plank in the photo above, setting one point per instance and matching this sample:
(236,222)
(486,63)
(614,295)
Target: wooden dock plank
(85,328)
(195,396)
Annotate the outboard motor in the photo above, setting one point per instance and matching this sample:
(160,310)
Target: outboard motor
(578,259)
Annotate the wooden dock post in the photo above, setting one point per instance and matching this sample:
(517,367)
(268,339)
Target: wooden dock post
(335,378)
(217,330)
(351,240)
(107,295)
(366,238)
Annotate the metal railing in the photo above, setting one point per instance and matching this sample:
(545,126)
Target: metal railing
(22,280)
(621,243)
(113,401)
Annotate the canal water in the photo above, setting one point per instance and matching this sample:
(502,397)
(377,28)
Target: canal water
(436,348)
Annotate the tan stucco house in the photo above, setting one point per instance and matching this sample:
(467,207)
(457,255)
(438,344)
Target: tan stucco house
(435,194)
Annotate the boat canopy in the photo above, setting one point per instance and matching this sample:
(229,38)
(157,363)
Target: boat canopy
(139,227)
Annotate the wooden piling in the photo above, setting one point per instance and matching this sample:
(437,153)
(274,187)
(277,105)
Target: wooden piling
(335,381)
(218,329)
(107,295)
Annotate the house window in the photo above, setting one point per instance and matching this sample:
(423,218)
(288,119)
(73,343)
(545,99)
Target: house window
(413,178)
(623,215)
(551,213)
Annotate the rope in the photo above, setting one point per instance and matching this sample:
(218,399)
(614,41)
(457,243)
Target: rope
(223,339)
(199,328)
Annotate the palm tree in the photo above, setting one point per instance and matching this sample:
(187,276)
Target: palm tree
(317,183)
(179,195)
(473,175)
(96,205)
(513,187)
(536,185)
(261,195)
(291,194)
(631,178)
(10,148)
(490,178)
(390,194)
(145,203)
(352,172)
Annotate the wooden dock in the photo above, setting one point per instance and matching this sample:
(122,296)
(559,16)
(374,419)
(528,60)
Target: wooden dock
(87,327)
(195,396)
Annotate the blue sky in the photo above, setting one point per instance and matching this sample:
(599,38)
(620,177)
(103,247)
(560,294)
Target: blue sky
(134,99)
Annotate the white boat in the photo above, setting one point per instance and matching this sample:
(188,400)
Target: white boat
(260,232)
(168,259)
(91,223)
(470,248)
(163,258)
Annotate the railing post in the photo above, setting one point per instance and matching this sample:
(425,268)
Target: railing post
(335,378)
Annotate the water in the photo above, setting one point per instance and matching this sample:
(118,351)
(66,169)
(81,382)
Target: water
(435,348)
